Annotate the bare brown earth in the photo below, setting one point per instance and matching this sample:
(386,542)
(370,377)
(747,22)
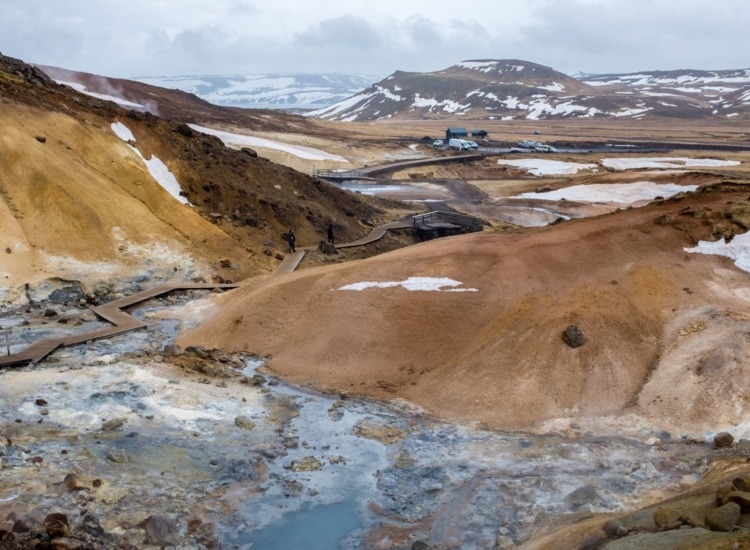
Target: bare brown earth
(496,355)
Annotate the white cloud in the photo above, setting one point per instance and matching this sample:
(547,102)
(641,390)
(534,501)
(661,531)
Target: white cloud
(171,37)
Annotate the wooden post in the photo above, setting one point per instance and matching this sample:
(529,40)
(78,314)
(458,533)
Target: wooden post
(6,333)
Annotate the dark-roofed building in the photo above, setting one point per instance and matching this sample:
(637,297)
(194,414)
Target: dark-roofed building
(479,133)
(452,133)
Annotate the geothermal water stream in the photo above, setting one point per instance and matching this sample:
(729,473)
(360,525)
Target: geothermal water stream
(301,470)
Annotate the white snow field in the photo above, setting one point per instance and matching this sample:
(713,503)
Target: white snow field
(418,284)
(624,193)
(122,131)
(738,250)
(120,101)
(543,167)
(230,138)
(664,162)
(155,166)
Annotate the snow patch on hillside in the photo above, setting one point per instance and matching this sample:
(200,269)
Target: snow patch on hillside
(738,250)
(122,131)
(624,193)
(162,175)
(543,167)
(414,284)
(664,162)
(242,140)
(120,101)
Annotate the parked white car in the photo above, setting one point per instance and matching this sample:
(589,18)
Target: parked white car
(438,143)
(462,145)
(545,149)
(529,144)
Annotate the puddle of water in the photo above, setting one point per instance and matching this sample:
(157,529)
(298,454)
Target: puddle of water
(311,528)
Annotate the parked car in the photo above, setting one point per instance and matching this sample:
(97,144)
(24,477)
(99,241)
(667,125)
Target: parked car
(438,143)
(544,149)
(462,145)
(529,144)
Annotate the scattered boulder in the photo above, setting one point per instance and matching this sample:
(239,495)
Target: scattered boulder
(742,499)
(666,516)
(307,464)
(244,422)
(50,313)
(723,518)
(742,484)
(118,455)
(172,350)
(267,252)
(193,524)
(185,130)
(71,483)
(41,402)
(573,337)
(611,527)
(41,139)
(723,439)
(327,248)
(249,152)
(279,256)
(19,526)
(591,543)
(66,543)
(420,545)
(57,525)
(113,424)
(226,263)
(582,495)
(162,531)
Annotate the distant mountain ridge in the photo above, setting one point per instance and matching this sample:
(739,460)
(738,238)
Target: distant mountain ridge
(298,90)
(516,89)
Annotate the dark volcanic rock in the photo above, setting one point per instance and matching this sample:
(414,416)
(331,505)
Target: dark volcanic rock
(723,439)
(327,248)
(723,518)
(581,496)
(162,531)
(573,336)
(591,543)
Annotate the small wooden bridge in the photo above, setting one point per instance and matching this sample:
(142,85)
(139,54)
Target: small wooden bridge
(441,220)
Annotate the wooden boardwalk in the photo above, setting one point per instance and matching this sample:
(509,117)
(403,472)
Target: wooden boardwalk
(124,322)
(291,261)
(111,312)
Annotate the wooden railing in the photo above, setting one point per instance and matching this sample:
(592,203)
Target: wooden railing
(468,222)
(338,174)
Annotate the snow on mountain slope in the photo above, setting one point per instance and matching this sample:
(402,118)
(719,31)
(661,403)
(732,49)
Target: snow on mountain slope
(513,89)
(263,90)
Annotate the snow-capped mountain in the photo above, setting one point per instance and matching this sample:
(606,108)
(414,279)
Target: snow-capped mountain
(514,89)
(267,90)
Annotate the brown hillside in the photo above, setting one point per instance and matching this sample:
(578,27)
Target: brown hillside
(71,191)
(496,355)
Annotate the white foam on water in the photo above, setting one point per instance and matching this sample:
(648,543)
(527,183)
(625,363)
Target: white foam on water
(413,284)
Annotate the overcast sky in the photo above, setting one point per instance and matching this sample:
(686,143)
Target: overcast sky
(183,37)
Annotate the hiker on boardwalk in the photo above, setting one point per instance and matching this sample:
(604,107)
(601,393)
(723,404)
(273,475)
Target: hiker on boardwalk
(290,239)
(330,233)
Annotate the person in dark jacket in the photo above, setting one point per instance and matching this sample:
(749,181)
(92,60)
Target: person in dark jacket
(330,233)
(290,239)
